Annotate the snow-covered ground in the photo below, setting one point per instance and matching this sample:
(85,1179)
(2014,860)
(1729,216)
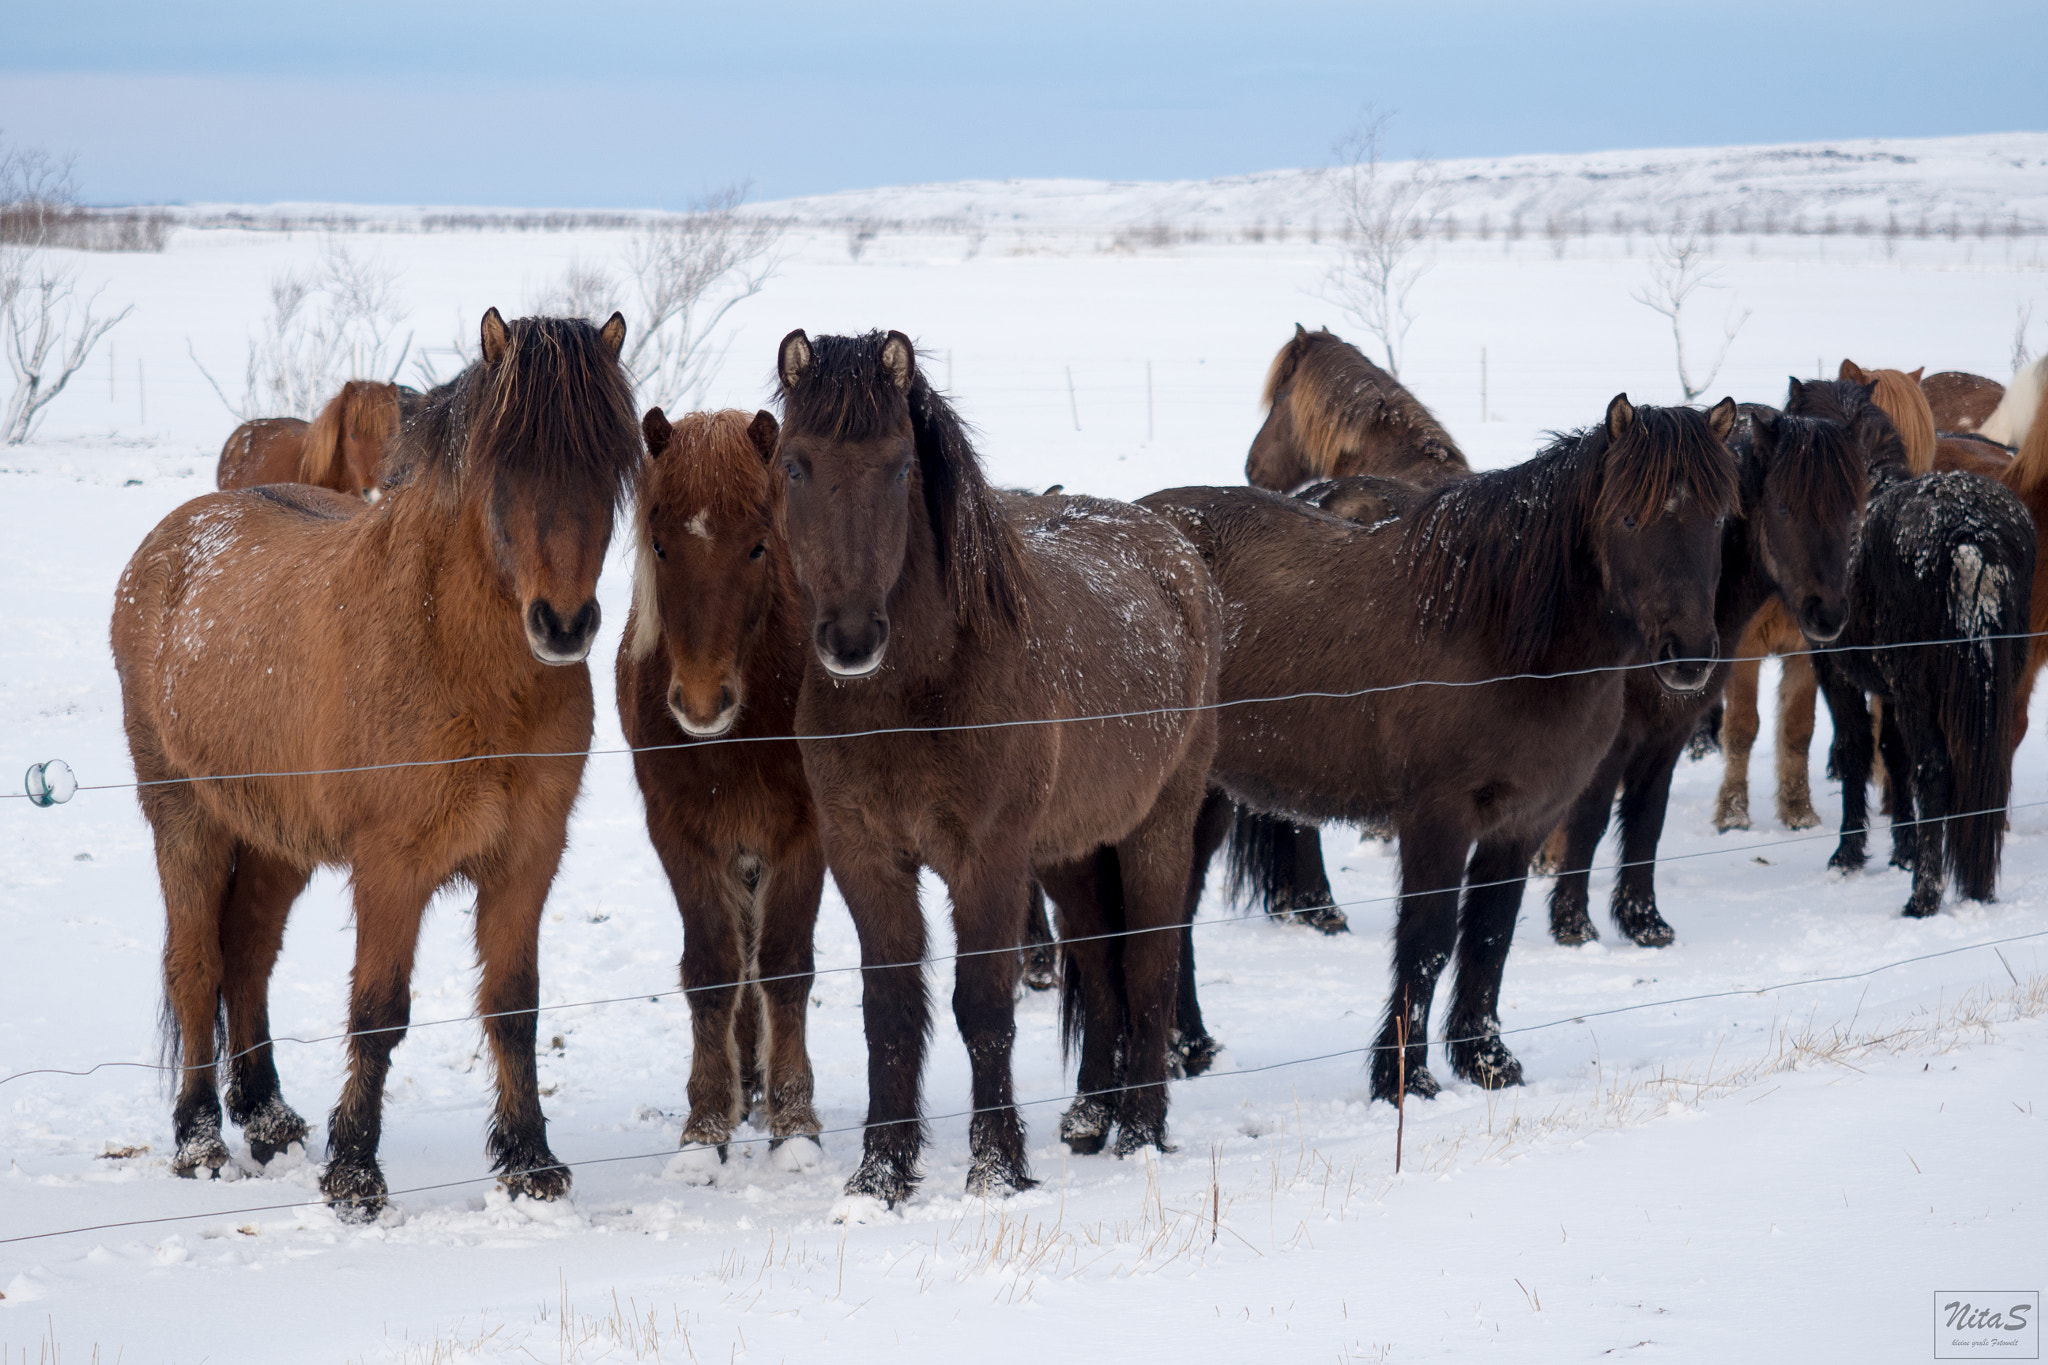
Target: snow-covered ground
(1725,1145)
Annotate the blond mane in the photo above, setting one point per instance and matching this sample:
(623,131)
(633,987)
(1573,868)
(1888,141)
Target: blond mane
(2013,419)
(1901,398)
(1339,401)
(365,410)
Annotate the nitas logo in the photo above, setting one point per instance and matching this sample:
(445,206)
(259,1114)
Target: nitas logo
(1987,1325)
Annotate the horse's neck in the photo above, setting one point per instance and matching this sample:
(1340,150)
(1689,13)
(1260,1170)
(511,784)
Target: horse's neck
(1746,584)
(924,634)
(435,569)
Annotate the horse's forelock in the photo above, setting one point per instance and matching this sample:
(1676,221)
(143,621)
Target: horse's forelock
(554,414)
(711,467)
(1816,467)
(1664,451)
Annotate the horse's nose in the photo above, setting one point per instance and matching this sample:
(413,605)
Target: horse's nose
(1684,669)
(1822,621)
(554,641)
(852,649)
(694,722)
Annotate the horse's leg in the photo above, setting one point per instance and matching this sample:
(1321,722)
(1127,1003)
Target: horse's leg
(1154,860)
(388,912)
(789,919)
(509,899)
(1646,795)
(1041,971)
(714,984)
(1432,868)
(195,860)
(1796,687)
(1193,1050)
(1930,783)
(1849,761)
(1486,928)
(1899,756)
(251,932)
(1570,923)
(1738,737)
(1880,770)
(879,886)
(989,898)
(1091,1001)
(1309,884)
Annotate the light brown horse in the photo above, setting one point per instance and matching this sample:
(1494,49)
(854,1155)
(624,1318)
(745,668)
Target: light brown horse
(287,630)
(939,606)
(715,649)
(1961,401)
(340,449)
(2027,476)
(1331,413)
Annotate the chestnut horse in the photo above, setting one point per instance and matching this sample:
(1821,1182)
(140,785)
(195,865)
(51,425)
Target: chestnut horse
(975,629)
(340,449)
(294,635)
(1601,552)
(1331,412)
(715,648)
(1802,485)
(1961,401)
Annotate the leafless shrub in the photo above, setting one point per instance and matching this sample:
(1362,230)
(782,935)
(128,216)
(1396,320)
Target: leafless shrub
(688,272)
(859,233)
(1387,218)
(1678,270)
(2023,318)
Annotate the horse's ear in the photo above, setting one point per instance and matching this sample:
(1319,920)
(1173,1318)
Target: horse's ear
(793,358)
(763,431)
(497,338)
(654,426)
(1796,384)
(614,333)
(899,358)
(1721,418)
(1620,413)
(1299,331)
(1915,376)
(1851,371)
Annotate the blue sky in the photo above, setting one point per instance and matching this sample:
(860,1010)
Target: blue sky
(644,104)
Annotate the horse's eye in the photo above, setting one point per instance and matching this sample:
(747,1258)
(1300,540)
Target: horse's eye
(758,550)
(796,474)
(903,474)
(1628,523)
(659,553)
(1784,510)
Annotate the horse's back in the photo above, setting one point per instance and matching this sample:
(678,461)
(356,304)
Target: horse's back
(263,450)
(1961,401)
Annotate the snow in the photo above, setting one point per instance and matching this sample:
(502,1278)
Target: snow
(1731,1142)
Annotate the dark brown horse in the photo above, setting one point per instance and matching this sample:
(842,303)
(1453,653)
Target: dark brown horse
(1961,401)
(341,449)
(1331,412)
(936,605)
(715,648)
(288,630)
(1802,485)
(1602,551)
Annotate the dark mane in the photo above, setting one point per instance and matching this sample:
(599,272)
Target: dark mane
(1814,464)
(1500,551)
(1877,440)
(848,395)
(555,415)
(1337,398)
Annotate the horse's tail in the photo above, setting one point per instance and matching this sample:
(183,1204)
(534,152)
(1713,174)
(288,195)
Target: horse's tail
(170,1040)
(1975,689)
(320,450)
(1259,860)
(1109,897)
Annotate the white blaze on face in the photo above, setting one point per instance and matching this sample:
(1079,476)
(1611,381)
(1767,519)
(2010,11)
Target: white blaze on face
(697,527)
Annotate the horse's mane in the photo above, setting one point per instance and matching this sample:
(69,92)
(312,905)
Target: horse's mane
(1498,552)
(320,450)
(1850,403)
(1902,399)
(2014,416)
(1336,397)
(555,414)
(847,394)
(711,466)
(1817,466)
(2029,469)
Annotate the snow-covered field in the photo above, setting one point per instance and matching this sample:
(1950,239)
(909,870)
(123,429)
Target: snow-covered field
(1738,1143)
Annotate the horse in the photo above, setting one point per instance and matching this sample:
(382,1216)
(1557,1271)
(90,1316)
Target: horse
(1961,401)
(1802,486)
(1331,412)
(1947,557)
(2020,407)
(714,648)
(1928,445)
(363,667)
(340,449)
(974,630)
(2027,476)
(1487,630)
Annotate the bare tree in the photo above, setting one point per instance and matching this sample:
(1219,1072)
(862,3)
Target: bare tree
(47,330)
(2023,318)
(1388,215)
(1678,270)
(324,328)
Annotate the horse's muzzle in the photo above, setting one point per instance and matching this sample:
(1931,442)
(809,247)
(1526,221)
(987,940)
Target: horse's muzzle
(554,641)
(728,712)
(1823,622)
(852,649)
(1683,670)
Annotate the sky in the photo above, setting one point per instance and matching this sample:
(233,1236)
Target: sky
(630,103)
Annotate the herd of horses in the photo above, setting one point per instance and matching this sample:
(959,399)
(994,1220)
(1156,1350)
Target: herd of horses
(849,651)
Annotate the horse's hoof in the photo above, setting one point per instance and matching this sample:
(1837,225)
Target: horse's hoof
(1041,969)
(1318,915)
(1643,925)
(272,1130)
(1731,815)
(354,1191)
(1799,817)
(201,1154)
(1848,858)
(882,1180)
(1420,1085)
(1921,907)
(997,1177)
(1486,1062)
(1190,1055)
(1573,927)
(1085,1126)
(1132,1138)
(543,1179)
(798,1155)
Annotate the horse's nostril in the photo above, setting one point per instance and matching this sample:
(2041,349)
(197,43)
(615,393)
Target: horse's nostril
(725,700)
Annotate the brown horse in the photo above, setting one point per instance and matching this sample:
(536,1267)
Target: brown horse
(1331,412)
(715,647)
(985,625)
(287,630)
(1961,401)
(2027,476)
(1601,552)
(340,449)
